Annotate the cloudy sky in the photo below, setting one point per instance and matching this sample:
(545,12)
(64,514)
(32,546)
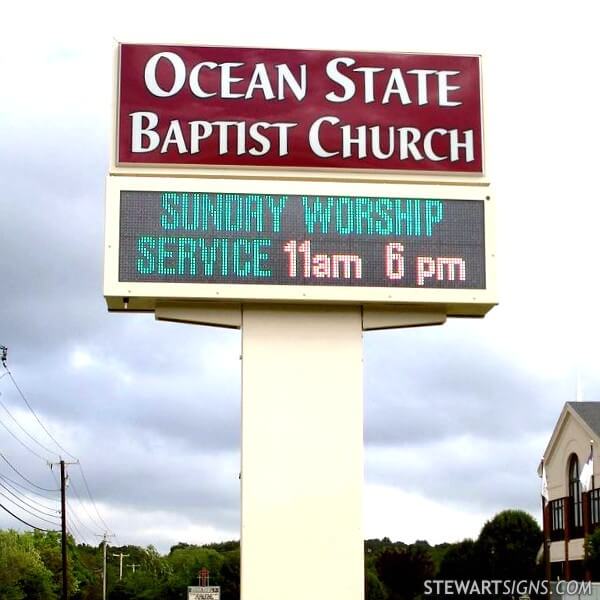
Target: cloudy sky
(456,417)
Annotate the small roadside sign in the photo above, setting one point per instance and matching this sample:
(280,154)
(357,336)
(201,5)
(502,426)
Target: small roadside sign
(196,592)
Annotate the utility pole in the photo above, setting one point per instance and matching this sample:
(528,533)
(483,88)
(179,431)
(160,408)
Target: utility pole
(105,541)
(121,557)
(133,566)
(63,523)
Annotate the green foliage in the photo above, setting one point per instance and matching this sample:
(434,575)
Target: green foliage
(30,564)
(376,546)
(437,554)
(460,562)
(23,575)
(403,571)
(185,563)
(374,588)
(592,554)
(508,546)
(230,575)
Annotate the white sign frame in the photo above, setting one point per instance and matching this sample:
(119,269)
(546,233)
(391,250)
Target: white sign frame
(144,296)
(329,174)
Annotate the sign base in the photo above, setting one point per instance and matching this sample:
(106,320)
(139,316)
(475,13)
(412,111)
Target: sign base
(302,440)
(302,453)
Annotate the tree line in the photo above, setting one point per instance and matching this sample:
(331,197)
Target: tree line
(30,564)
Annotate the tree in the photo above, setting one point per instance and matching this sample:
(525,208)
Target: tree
(48,546)
(592,554)
(23,575)
(230,576)
(508,546)
(460,562)
(403,571)
(374,588)
(87,569)
(184,563)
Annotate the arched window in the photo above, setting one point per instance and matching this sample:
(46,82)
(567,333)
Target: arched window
(575,494)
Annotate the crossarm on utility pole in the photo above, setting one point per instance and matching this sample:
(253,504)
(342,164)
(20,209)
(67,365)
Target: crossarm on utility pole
(121,556)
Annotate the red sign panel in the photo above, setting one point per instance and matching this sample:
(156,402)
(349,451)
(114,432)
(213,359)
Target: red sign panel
(202,106)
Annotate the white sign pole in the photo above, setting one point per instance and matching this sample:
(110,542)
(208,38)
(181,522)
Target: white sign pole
(302,441)
(302,453)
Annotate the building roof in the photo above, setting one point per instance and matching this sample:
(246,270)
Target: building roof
(589,412)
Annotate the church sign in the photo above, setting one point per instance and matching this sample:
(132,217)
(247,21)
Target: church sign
(203,106)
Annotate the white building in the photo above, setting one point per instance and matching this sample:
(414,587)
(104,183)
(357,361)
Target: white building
(570,513)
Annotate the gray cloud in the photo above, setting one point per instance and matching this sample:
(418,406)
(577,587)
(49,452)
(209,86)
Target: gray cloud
(459,413)
(424,386)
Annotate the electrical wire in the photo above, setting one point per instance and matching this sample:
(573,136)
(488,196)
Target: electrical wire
(30,491)
(87,487)
(71,511)
(25,522)
(12,487)
(27,503)
(23,397)
(73,514)
(23,443)
(76,493)
(24,430)
(23,476)
(29,512)
(10,375)
(72,526)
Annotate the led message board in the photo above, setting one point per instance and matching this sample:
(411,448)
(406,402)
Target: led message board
(282,239)
(222,106)
(276,240)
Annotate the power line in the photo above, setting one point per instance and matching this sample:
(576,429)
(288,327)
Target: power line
(23,476)
(78,520)
(26,488)
(24,430)
(34,413)
(72,512)
(12,487)
(26,503)
(23,443)
(28,511)
(73,527)
(76,493)
(87,487)
(3,357)
(25,522)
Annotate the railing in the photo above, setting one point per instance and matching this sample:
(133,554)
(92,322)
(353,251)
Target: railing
(577,519)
